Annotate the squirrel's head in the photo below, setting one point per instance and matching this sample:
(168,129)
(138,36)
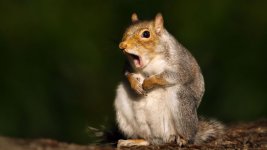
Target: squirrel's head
(141,39)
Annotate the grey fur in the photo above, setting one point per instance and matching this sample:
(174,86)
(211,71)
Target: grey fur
(167,114)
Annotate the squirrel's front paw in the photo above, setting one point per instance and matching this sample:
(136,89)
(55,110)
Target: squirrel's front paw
(135,81)
(137,87)
(148,84)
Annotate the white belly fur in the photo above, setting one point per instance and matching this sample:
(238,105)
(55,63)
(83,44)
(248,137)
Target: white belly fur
(150,117)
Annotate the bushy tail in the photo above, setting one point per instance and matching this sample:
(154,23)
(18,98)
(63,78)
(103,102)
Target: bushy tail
(208,130)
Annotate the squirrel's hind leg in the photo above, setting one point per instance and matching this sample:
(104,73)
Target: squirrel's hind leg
(132,142)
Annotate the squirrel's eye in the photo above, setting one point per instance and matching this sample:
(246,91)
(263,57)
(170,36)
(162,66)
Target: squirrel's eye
(146,34)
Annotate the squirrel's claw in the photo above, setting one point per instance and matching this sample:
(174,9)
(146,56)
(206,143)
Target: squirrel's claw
(136,84)
(180,141)
(139,90)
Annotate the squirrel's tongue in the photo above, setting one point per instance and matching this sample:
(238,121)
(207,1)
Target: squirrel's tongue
(137,62)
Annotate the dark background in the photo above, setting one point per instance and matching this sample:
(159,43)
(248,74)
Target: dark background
(60,62)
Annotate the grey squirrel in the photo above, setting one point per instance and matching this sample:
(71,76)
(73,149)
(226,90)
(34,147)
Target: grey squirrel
(157,101)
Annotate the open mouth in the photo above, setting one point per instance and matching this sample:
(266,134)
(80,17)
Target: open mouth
(136,60)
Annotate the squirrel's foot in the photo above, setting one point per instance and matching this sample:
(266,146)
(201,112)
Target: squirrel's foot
(132,142)
(180,141)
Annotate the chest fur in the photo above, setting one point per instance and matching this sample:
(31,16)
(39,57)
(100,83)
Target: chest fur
(156,66)
(154,113)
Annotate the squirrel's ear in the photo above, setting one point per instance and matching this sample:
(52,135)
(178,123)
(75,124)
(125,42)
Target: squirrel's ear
(159,23)
(134,18)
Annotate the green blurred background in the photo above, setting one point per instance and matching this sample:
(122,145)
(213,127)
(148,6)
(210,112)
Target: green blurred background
(60,61)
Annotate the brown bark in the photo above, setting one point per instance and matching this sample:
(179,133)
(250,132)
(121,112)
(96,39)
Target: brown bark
(238,136)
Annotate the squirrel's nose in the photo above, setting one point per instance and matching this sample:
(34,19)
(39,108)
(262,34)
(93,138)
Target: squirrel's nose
(122,45)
